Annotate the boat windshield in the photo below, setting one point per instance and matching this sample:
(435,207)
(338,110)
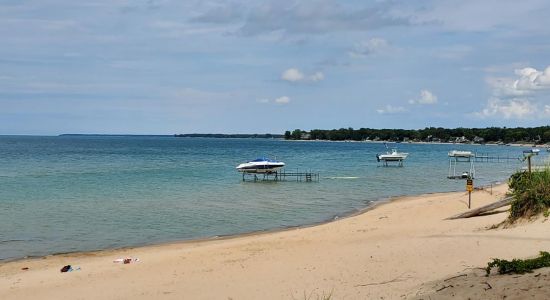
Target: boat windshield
(263,159)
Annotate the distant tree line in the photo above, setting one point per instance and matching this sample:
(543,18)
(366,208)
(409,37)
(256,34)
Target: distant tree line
(225,136)
(428,134)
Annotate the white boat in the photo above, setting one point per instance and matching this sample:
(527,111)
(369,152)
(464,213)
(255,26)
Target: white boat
(458,153)
(531,151)
(260,165)
(392,156)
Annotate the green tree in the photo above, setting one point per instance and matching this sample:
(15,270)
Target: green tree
(287,135)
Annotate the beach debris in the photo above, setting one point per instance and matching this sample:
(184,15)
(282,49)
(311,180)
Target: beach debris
(25,268)
(69,268)
(444,287)
(461,275)
(126,260)
(483,209)
(396,279)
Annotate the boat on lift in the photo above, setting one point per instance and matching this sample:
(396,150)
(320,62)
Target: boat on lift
(459,153)
(260,165)
(392,156)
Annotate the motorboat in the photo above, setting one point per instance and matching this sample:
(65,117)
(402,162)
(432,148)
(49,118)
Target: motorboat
(260,165)
(531,151)
(392,156)
(459,153)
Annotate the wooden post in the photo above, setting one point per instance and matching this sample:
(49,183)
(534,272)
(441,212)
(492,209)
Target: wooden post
(529,163)
(469,188)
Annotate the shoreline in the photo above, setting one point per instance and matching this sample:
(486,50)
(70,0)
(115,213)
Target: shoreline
(349,214)
(528,145)
(388,250)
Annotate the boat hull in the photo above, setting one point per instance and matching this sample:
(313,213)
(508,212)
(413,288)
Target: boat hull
(260,167)
(385,157)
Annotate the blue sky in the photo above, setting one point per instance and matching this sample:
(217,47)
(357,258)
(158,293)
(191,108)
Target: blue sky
(164,67)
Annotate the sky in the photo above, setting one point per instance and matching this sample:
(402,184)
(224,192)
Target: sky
(166,67)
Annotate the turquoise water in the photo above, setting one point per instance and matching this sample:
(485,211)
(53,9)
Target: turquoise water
(80,193)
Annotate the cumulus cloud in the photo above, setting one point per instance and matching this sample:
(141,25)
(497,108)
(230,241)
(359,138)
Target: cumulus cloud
(370,47)
(519,97)
(295,75)
(509,109)
(317,76)
(531,79)
(390,109)
(281,100)
(426,97)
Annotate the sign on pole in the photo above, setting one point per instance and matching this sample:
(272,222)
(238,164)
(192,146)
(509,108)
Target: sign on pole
(469,188)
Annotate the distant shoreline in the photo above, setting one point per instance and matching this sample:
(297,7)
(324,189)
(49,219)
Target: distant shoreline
(198,135)
(427,143)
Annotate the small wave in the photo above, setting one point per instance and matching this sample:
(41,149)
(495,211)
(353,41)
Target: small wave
(10,241)
(342,177)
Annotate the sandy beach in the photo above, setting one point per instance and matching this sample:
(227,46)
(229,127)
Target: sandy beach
(396,250)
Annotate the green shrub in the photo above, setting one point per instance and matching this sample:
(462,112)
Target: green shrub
(519,266)
(531,192)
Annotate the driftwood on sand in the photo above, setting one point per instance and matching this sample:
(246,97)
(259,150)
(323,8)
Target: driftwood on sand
(483,209)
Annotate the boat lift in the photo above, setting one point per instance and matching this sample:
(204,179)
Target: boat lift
(456,157)
(283,175)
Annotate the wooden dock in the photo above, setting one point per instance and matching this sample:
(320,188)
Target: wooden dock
(485,157)
(283,175)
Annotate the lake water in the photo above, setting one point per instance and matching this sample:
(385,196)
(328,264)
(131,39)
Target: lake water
(81,193)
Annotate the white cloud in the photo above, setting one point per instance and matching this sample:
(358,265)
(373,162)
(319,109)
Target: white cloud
(528,82)
(292,75)
(317,76)
(520,97)
(370,47)
(509,109)
(295,75)
(426,97)
(282,100)
(390,109)
(531,79)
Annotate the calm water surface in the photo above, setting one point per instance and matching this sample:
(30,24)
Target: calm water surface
(80,193)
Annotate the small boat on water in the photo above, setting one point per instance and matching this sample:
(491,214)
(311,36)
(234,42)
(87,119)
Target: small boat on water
(531,151)
(459,153)
(392,156)
(260,165)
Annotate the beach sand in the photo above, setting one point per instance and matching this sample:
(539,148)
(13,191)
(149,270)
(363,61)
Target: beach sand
(396,250)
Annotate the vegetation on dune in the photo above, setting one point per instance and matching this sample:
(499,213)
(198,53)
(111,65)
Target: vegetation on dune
(519,266)
(531,192)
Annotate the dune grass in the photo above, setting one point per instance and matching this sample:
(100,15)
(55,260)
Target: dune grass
(519,266)
(531,192)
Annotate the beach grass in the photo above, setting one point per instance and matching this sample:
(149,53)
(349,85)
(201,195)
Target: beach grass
(519,266)
(531,192)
